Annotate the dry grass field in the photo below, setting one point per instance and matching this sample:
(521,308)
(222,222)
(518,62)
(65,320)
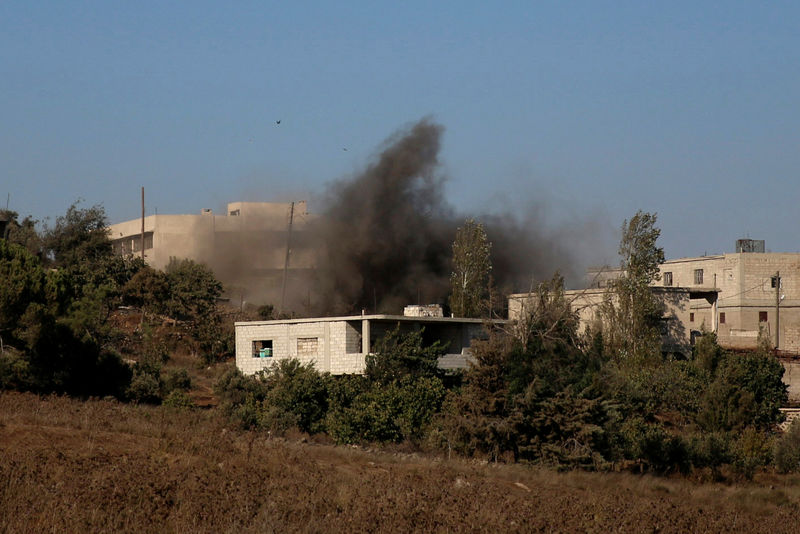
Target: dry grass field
(101,466)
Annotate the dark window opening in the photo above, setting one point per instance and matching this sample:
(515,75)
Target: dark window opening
(262,349)
(775,280)
(722,318)
(667,279)
(698,276)
(762,317)
(691,317)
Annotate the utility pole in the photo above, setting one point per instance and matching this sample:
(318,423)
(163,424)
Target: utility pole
(142,223)
(777,310)
(288,253)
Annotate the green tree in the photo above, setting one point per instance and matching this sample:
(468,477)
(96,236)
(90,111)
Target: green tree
(193,290)
(472,265)
(79,236)
(22,232)
(397,355)
(633,312)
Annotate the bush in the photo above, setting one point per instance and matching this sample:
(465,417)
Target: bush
(399,411)
(787,449)
(747,391)
(144,388)
(653,448)
(177,379)
(178,399)
(296,396)
(288,394)
(751,451)
(240,396)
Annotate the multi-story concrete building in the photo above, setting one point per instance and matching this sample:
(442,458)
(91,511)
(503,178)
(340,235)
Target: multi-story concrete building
(745,292)
(736,295)
(246,247)
(339,345)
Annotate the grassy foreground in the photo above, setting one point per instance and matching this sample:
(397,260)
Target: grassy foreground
(101,466)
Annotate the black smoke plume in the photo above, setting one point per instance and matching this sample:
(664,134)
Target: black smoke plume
(385,235)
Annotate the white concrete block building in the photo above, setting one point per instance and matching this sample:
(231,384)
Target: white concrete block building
(339,345)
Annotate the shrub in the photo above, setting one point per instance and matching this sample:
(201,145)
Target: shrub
(751,451)
(178,399)
(398,355)
(787,449)
(399,411)
(144,388)
(747,390)
(296,393)
(177,379)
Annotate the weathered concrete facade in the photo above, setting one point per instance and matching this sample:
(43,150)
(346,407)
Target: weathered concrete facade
(748,297)
(246,247)
(587,303)
(339,345)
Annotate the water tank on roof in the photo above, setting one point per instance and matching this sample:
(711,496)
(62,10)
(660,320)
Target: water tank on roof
(749,245)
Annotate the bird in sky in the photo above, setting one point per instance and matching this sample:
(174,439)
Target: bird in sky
(277,122)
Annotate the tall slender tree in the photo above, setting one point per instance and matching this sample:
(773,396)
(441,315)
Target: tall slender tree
(472,265)
(634,312)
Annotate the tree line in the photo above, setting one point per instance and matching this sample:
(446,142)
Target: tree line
(60,287)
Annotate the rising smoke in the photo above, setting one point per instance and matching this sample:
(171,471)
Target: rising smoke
(385,236)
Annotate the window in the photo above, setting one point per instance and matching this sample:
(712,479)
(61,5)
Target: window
(262,349)
(775,281)
(762,317)
(235,213)
(691,317)
(721,317)
(698,276)
(307,346)
(667,279)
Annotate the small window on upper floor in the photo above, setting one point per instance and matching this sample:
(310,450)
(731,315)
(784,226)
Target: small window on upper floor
(721,317)
(668,279)
(234,213)
(691,317)
(698,276)
(763,317)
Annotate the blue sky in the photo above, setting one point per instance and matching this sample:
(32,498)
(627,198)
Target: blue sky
(586,110)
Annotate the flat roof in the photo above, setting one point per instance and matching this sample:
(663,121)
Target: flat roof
(374,317)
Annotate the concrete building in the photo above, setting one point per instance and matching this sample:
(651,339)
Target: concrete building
(587,303)
(339,345)
(735,295)
(749,296)
(246,247)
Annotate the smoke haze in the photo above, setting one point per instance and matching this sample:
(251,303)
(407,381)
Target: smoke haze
(385,236)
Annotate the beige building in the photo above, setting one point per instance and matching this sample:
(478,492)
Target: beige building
(735,295)
(749,296)
(339,345)
(587,303)
(246,247)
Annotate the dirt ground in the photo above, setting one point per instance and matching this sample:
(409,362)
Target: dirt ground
(101,466)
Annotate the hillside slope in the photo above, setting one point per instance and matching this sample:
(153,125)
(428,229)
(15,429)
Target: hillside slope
(99,466)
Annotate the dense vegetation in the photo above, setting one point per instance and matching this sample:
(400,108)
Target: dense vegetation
(60,288)
(539,391)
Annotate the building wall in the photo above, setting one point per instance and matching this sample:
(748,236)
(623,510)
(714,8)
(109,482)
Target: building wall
(246,247)
(335,345)
(746,294)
